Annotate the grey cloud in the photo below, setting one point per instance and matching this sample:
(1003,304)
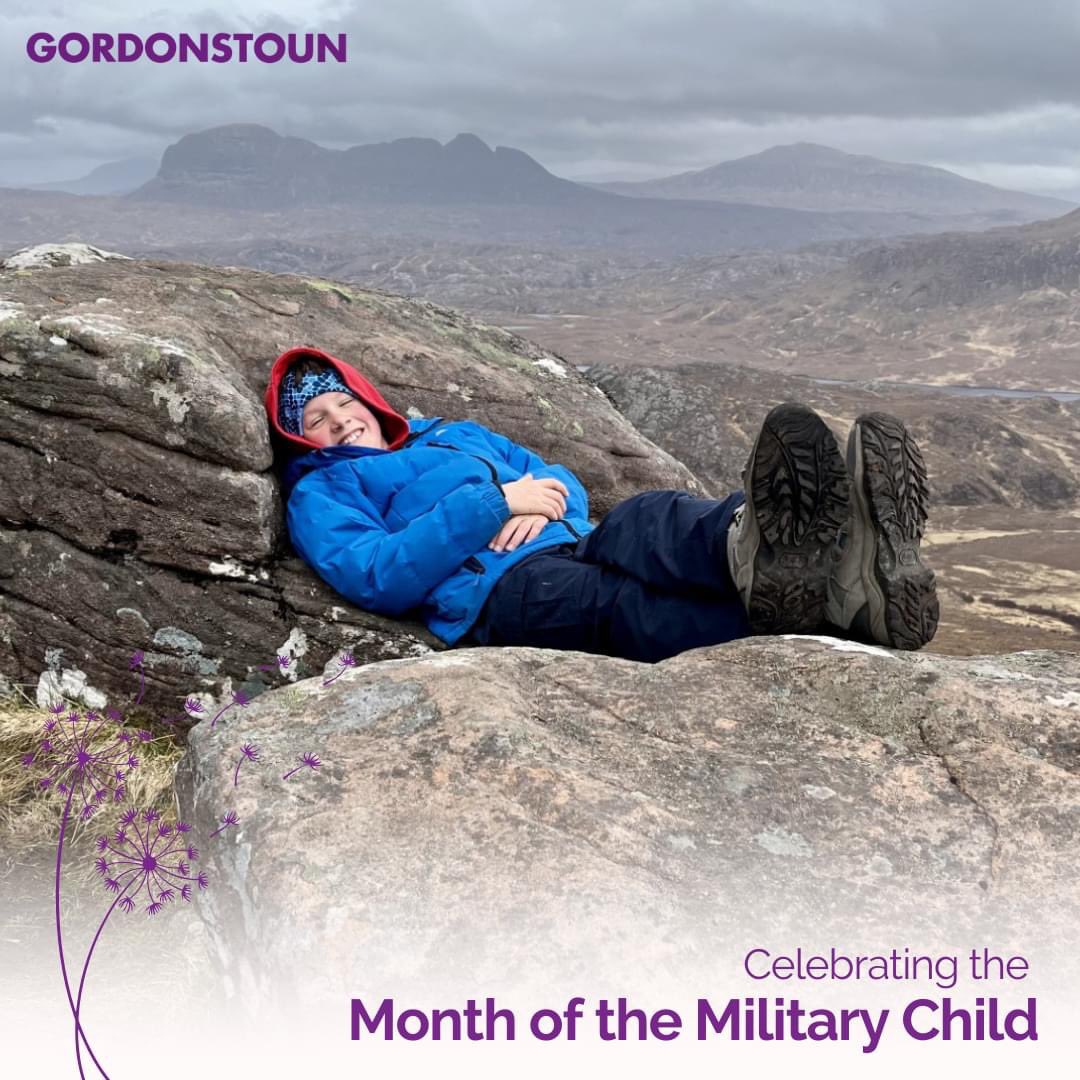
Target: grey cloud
(607,84)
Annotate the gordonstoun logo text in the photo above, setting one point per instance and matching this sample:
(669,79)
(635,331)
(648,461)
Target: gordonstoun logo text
(187,48)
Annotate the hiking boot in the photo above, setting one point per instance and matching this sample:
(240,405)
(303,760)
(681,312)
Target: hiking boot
(881,590)
(782,544)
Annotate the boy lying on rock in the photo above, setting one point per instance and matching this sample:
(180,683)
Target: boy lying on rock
(491,545)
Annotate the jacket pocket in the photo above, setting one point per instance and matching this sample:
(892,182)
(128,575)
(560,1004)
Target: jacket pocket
(473,564)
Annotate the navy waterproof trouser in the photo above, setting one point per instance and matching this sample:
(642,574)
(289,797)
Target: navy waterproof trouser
(650,581)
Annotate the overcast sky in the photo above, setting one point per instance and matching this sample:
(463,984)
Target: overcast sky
(594,89)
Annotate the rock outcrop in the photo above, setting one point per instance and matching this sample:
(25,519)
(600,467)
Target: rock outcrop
(139,508)
(45,255)
(500,816)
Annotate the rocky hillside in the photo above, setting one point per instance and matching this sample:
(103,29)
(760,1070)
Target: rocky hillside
(806,176)
(993,309)
(140,510)
(955,270)
(1000,308)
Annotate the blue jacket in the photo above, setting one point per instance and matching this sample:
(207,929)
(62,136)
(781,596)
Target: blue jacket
(407,529)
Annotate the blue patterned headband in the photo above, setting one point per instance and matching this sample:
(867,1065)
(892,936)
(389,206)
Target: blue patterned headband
(295,396)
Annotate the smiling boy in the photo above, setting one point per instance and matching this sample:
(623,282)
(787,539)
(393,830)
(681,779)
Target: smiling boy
(489,544)
(338,418)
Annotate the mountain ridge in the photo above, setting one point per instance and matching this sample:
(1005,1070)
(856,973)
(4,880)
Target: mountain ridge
(252,165)
(810,176)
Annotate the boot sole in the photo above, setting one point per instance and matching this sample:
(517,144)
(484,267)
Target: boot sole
(797,492)
(891,496)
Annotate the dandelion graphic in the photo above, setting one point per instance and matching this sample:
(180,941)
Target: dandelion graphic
(193,709)
(84,759)
(229,818)
(346,660)
(144,860)
(136,664)
(88,761)
(281,665)
(308,761)
(239,698)
(147,859)
(248,752)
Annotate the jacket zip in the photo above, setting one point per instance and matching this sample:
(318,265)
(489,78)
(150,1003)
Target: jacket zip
(472,563)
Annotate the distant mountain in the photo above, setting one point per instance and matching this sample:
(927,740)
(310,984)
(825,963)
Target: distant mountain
(468,190)
(112,178)
(805,176)
(247,165)
(222,195)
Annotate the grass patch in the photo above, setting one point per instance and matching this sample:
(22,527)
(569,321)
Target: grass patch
(30,818)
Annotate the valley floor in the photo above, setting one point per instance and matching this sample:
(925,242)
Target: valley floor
(1008,580)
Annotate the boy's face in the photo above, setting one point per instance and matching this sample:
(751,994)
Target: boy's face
(337,419)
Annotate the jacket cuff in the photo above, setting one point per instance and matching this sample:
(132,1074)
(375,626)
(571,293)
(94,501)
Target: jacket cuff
(493,498)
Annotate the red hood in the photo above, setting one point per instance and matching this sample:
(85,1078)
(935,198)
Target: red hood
(395,427)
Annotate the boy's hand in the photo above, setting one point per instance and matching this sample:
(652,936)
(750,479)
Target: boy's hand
(528,497)
(520,529)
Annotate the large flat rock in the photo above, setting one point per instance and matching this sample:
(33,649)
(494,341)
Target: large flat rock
(501,816)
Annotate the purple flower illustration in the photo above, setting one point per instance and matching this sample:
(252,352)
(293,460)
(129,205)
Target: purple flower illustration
(230,817)
(147,860)
(281,664)
(248,752)
(83,760)
(308,761)
(144,861)
(194,707)
(346,660)
(238,698)
(136,664)
(87,761)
